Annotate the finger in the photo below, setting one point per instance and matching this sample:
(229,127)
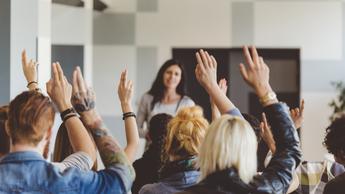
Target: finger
(125,77)
(75,88)
(80,81)
(248,57)
(302,106)
(204,58)
(55,73)
(292,112)
(264,119)
(262,128)
(200,64)
(297,111)
(255,55)
(243,71)
(214,62)
(209,60)
(261,62)
(60,72)
(24,58)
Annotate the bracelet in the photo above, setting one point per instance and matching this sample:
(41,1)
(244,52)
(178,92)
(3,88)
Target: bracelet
(32,82)
(66,112)
(270,96)
(128,114)
(69,116)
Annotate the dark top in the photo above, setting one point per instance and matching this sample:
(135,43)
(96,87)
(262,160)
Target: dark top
(276,178)
(336,186)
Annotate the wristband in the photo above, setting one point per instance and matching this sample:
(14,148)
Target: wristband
(32,82)
(66,112)
(69,116)
(128,114)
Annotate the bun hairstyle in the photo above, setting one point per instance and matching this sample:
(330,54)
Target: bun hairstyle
(186,132)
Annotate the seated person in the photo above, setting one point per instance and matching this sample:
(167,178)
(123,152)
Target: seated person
(335,144)
(185,133)
(30,120)
(147,167)
(228,159)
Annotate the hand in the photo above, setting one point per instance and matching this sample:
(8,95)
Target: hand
(297,115)
(266,134)
(59,89)
(256,74)
(125,89)
(83,101)
(223,85)
(29,68)
(206,70)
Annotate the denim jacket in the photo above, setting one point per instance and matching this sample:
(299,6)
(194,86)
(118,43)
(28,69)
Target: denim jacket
(28,172)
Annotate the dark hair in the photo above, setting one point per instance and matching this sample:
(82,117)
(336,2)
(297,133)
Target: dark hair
(4,139)
(157,88)
(335,137)
(30,115)
(63,147)
(254,123)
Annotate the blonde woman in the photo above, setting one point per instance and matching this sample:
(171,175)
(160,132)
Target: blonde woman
(186,131)
(227,156)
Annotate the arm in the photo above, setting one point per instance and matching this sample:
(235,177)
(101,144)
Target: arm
(78,160)
(267,135)
(142,115)
(60,92)
(125,92)
(215,112)
(30,72)
(206,74)
(276,178)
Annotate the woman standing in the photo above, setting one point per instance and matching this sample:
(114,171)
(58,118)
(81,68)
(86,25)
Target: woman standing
(167,94)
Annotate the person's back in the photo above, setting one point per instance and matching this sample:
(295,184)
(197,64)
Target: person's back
(30,119)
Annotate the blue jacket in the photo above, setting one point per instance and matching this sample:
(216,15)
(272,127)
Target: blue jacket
(172,184)
(28,172)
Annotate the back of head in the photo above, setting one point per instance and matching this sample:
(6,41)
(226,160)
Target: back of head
(254,123)
(335,137)
(229,143)
(4,139)
(30,115)
(158,127)
(186,131)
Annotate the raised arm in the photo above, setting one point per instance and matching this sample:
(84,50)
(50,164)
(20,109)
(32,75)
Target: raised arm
(215,111)
(109,149)
(206,74)
(277,176)
(125,93)
(30,72)
(60,92)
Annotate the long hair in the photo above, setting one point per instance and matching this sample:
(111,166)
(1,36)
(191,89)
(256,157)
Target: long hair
(158,88)
(63,147)
(229,143)
(186,132)
(30,116)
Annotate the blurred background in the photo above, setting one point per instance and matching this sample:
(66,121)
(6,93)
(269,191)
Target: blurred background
(301,40)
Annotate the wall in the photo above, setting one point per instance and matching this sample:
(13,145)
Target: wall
(141,35)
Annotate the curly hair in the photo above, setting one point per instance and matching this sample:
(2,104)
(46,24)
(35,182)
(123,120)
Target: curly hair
(335,137)
(186,132)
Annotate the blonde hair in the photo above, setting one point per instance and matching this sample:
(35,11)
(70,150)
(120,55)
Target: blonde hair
(185,132)
(229,142)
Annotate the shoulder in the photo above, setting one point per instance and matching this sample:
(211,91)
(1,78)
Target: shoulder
(187,101)
(152,188)
(146,98)
(336,185)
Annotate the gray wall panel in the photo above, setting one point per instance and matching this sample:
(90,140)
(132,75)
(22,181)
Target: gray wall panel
(5,34)
(242,23)
(147,5)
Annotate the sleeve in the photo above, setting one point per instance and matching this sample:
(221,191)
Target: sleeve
(114,179)
(142,114)
(277,176)
(80,160)
(235,112)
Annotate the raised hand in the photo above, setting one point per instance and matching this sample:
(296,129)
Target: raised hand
(206,69)
(223,85)
(30,71)
(59,89)
(83,100)
(266,134)
(256,73)
(125,89)
(297,115)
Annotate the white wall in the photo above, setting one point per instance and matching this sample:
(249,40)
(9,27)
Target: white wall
(317,27)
